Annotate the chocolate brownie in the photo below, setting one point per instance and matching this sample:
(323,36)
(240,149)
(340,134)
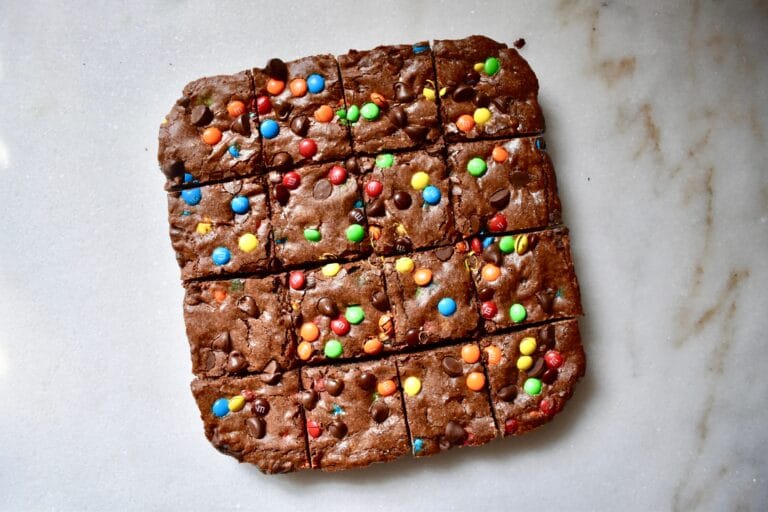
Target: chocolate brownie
(340,311)
(407,201)
(211,132)
(317,214)
(446,399)
(526,278)
(354,414)
(221,229)
(503,185)
(432,295)
(490,91)
(532,373)
(390,94)
(240,325)
(299,104)
(255,419)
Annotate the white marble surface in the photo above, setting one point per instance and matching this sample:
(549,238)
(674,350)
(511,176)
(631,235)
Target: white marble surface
(658,126)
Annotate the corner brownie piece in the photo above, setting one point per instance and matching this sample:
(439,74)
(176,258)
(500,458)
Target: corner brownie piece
(491,90)
(340,311)
(532,373)
(446,399)
(354,415)
(390,94)
(503,185)
(298,104)
(432,296)
(239,325)
(317,214)
(407,201)
(255,419)
(211,133)
(221,228)
(526,278)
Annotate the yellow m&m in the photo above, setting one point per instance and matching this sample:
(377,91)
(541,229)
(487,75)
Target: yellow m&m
(330,269)
(404,265)
(412,386)
(527,346)
(248,242)
(420,180)
(482,115)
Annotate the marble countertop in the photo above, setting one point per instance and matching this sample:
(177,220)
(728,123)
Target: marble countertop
(657,119)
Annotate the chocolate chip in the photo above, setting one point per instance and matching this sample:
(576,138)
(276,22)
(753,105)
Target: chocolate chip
(300,125)
(501,104)
(452,366)
(444,253)
(380,300)
(201,115)
(508,393)
(416,132)
(282,161)
(549,376)
(276,68)
(222,342)
(455,433)
(283,110)
(403,244)
(493,254)
(412,336)
(518,179)
(242,125)
(257,427)
(500,199)
(271,373)
(547,336)
(485,293)
(519,43)
(398,116)
(546,298)
(472,77)
(327,307)
(248,305)
(356,216)
(402,93)
(352,166)
(402,200)
(282,194)
(235,362)
(338,429)
(260,406)
(481,100)
(463,93)
(334,387)
(367,381)
(379,411)
(309,399)
(323,189)
(375,208)
(537,369)
(174,170)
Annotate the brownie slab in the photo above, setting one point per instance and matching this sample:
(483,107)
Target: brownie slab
(407,201)
(255,419)
(316,216)
(446,399)
(526,278)
(432,296)
(239,325)
(532,373)
(221,228)
(503,185)
(298,104)
(350,422)
(211,132)
(390,95)
(490,90)
(340,311)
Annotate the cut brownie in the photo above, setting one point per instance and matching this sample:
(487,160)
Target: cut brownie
(407,201)
(432,295)
(211,133)
(239,325)
(390,94)
(490,91)
(221,228)
(299,104)
(446,399)
(532,373)
(526,278)
(340,311)
(317,213)
(504,185)
(255,419)
(354,414)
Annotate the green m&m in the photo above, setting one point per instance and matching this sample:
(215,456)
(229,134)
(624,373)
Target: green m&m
(385,160)
(353,113)
(354,314)
(370,111)
(333,349)
(507,244)
(355,233)
(312,234)
(532,386)
(517,313)
(491,66)
(477,167)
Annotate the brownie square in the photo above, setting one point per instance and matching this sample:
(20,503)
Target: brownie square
(219,109)
(313,218)
(350,423)
(340,311)
(221,229)
(532,373)
(491,84)
(407,201)
(239,325)
(255,419)
(503,185)
(441,409)
(432,296)
(391,93)
(298,104)
(526,278)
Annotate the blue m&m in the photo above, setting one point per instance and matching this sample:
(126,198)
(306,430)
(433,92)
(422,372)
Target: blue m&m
(446,306)
(191,196)
(221,256)
(220,407)
(315,83)
(431,194)
(240,204)
(269,129)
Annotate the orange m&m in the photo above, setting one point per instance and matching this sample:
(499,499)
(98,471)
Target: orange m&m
(298,87)
(235,108)
(470,353)
(304,350)
(274,86)
(465,123)
(422,276)
(324,114)
(386,387)
(490,272)
(476,381)
(211,135)
(499,154)
(309,331)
